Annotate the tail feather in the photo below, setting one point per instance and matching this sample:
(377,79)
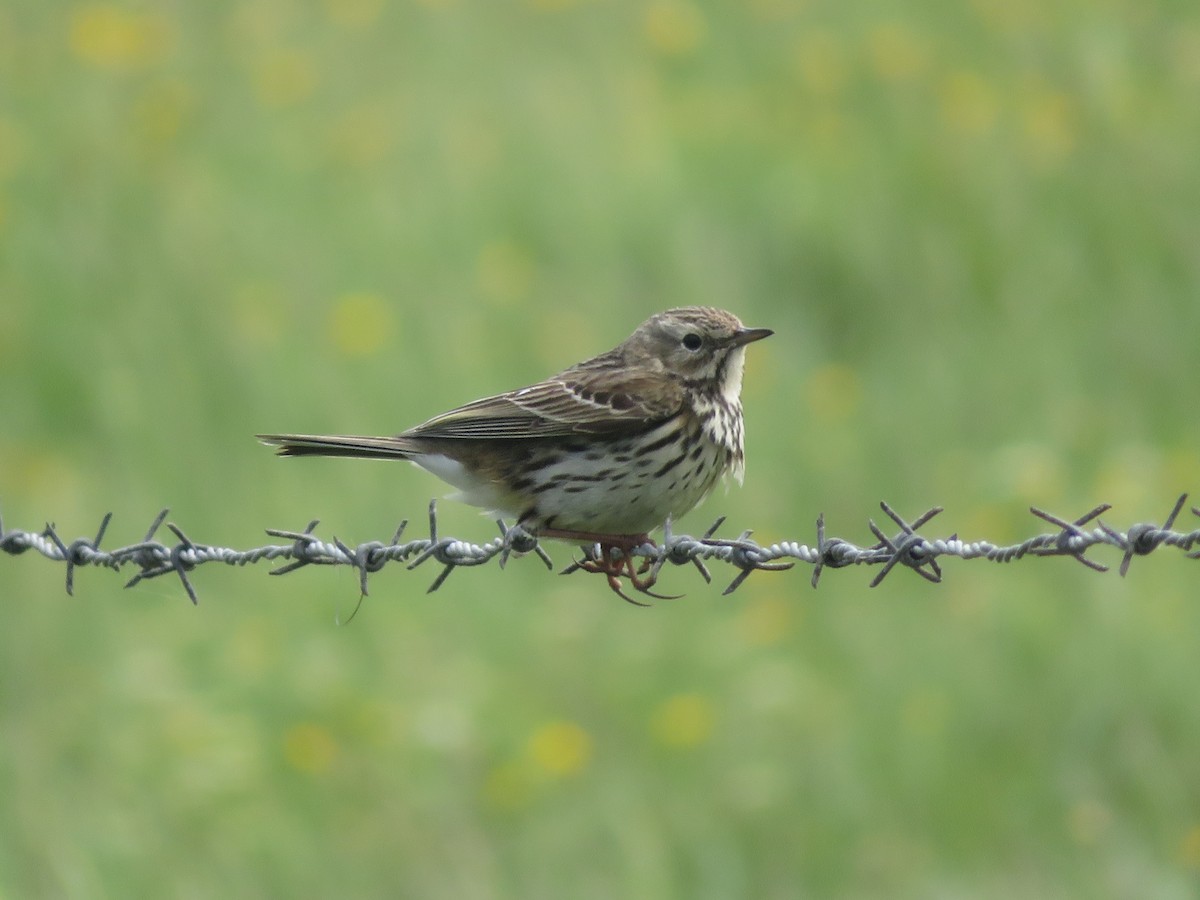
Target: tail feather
(339,445)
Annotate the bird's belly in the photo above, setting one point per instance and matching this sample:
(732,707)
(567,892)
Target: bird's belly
(621,487)
(619,509)
(626,485)
(473,488)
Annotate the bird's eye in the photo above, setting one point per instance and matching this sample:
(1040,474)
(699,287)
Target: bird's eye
(692,341)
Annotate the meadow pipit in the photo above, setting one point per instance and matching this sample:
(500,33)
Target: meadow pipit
(600,453)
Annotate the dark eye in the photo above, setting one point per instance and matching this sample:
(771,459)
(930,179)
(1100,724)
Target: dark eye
(692,341)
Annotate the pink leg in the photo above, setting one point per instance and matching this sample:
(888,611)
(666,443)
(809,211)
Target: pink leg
(609,564)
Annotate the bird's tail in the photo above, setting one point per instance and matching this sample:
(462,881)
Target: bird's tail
(339,445)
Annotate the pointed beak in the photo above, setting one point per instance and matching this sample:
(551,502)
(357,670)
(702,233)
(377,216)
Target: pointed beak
(749,336)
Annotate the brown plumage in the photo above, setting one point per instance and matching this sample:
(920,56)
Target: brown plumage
(606,449)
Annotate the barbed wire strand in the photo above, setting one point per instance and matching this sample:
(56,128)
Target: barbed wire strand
(907,548)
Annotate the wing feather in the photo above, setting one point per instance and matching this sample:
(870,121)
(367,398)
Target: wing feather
(607,402)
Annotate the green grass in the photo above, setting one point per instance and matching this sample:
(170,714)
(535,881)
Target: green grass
(974,231)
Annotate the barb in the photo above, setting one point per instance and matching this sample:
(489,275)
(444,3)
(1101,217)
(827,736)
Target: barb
(907,548)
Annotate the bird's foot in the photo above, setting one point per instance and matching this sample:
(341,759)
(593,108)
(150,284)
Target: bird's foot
(611,555)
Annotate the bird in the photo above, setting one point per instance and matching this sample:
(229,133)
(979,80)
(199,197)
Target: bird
(600,454)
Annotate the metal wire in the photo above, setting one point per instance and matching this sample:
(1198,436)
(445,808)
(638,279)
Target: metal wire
(906,548)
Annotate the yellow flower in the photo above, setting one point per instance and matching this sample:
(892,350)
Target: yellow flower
(361,323)
(309,748)
(684,720)
(284,77)
(505,271)
(1189,848)
(364,134)
(896,52)
(560,748)
(1051,130)
(675,28)
(116,39)
(833,392)
(967,103)
(766,621)
(820,62)
(353,13)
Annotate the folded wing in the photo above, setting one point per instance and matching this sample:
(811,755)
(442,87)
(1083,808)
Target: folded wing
(605,402)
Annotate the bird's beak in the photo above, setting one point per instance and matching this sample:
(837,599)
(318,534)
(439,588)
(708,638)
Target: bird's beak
(749,336)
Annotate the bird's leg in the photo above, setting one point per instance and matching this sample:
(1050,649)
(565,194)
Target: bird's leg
(613,569)
(615,559)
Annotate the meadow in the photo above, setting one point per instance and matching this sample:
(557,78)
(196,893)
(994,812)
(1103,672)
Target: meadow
(974,229)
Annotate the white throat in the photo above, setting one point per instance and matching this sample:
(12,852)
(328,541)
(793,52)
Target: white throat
(731,389)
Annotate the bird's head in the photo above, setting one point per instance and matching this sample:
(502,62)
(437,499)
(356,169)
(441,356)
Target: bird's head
(698,344)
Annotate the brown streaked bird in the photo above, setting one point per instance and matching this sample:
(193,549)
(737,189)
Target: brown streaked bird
(601,453)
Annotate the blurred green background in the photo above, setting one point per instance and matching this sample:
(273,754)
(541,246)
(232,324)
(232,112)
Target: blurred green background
(974,228)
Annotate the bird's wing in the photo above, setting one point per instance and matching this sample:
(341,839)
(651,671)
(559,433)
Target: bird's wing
(604,402)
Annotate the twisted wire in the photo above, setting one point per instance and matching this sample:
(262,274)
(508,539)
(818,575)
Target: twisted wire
(906,548)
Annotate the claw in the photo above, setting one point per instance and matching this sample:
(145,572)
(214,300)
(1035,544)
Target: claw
(608,563)
(611,555)
(614,580)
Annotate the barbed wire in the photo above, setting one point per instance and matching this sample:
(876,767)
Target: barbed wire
(905,549)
